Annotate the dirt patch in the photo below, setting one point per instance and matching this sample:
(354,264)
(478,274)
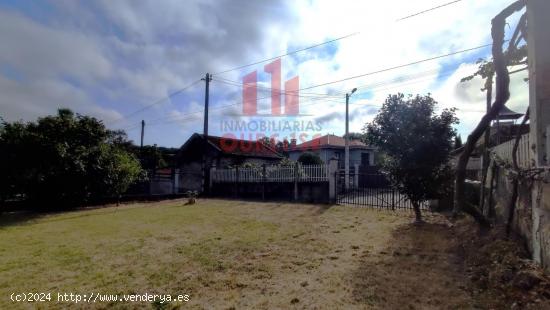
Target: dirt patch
(439,265)
(417,270)
(499,269)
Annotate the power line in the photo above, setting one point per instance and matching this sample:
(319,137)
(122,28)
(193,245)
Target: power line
(398,67)
(428,10)
(237,103)
(222,107)
(156,102)
(327,42)
(401,78)
(294,93)
(287,54)
(283,55)
(377,86)
(314,96)
(362,75)
(321,96)
(399,82)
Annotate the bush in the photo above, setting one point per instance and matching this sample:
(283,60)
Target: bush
(310,159)
(64,161)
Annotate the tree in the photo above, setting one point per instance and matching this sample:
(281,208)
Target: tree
(282,147)
(64,160)
(150,156)
(354,136)
(309,158)
(416,143)
(458,142)
(267,141)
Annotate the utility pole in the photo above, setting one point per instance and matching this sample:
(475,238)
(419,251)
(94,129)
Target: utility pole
(142,132)
(205,168)
(346,150)
(207,79)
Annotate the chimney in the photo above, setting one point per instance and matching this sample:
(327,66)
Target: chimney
(292,143)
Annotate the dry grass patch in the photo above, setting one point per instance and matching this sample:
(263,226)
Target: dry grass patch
(232,254)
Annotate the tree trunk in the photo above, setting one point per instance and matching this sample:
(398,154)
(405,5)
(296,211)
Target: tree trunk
(417,212)
(487,137)
(502,95)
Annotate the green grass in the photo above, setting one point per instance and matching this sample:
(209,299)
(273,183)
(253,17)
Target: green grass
(222,253)
(124,249)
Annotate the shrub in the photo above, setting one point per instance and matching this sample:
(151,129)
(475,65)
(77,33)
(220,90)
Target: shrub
(310,159)
(64,161)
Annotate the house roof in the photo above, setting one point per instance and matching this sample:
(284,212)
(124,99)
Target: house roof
(505,113)
(237,147)
(328,141)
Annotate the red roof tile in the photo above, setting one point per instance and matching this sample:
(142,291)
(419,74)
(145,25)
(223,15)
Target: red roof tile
(328,141)
(239,147)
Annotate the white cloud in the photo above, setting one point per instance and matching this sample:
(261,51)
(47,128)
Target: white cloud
(122,55)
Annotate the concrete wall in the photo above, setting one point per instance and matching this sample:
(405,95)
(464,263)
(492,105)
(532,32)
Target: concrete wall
(311,192)
(540,196)
(532,211)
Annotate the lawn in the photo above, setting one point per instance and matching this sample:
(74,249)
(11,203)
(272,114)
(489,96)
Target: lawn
(231,254)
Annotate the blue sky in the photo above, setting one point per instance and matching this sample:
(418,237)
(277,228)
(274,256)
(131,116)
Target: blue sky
(109,59)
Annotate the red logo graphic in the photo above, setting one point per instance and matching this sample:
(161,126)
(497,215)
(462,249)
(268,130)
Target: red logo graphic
(250,94)
(253,132)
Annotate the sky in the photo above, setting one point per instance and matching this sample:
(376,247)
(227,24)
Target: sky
(122,61)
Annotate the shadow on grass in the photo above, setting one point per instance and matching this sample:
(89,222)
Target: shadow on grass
(24,213)
(19,218)
(417,270)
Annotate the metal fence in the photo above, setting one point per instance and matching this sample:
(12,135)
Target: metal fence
(275,173)
(372,189)
(306,183)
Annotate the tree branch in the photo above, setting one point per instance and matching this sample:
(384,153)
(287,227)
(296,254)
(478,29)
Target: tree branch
(502,95)
(516,36)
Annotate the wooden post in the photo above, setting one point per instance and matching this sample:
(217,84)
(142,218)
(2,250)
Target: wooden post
(393,199)
(176,181)
(264,180)
(236,181)
(332,179)
(356,176)
(296,181)
(212,172)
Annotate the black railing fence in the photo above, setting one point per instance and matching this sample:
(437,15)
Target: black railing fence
(371,188)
